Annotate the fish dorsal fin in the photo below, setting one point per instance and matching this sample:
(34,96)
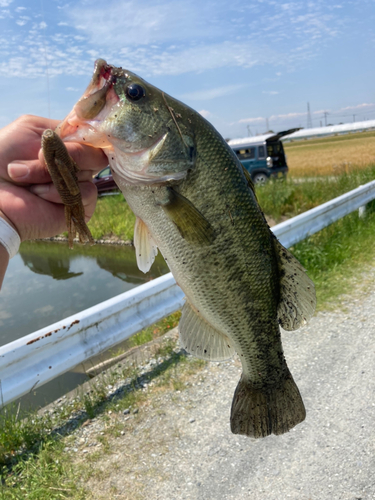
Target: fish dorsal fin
(200,339)
(145,248)
(297,291)
(192,225)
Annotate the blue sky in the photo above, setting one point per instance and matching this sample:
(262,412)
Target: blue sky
(239,63)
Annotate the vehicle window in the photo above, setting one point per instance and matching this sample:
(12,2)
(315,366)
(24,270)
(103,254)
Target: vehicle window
(104,173)
(273,148)
(261,152)
(247,154)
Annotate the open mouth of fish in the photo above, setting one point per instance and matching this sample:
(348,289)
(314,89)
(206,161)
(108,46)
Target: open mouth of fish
(93,120)
(93,107)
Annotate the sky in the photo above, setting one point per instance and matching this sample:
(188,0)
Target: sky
(246,66)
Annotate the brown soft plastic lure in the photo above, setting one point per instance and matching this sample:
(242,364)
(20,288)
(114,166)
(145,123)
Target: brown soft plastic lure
(63,171)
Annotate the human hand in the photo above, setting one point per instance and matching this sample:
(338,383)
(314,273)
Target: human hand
(28,199)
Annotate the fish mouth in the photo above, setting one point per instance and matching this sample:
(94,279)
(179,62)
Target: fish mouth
(87,112)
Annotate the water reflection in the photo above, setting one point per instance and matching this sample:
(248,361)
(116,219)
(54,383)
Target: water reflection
(39,288)
(57,268)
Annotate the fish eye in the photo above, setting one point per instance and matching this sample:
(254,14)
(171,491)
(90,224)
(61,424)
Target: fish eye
(135,92)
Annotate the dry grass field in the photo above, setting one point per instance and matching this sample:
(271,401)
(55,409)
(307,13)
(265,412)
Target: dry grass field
(330,155)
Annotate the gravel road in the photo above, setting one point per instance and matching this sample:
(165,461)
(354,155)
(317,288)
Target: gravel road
(181,446)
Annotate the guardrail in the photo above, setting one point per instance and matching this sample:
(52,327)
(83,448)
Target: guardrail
(39,357)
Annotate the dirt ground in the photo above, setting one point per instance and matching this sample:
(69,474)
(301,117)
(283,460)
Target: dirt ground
(178,445)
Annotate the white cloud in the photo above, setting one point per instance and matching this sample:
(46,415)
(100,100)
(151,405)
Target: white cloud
(321,111)
(259,119)
(270,92)
(72,89)
(287,116)
(214,40)
(93,53)
(204,113)
(5,3)
(122,23)
(162,40)
(252,120)
(212,93)
(364,106)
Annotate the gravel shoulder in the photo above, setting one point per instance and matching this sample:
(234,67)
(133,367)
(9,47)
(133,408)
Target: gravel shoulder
(178,445)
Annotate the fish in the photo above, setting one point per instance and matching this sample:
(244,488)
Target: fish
(194,201)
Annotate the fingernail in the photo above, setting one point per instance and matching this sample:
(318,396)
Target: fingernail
(18,170)
(40,188)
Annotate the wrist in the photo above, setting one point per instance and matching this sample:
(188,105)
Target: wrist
(9,237)
(3,216)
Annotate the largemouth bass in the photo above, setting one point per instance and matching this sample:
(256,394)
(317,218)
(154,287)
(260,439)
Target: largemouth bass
(194,201)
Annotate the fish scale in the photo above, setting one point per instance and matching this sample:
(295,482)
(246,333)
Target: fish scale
(213,288)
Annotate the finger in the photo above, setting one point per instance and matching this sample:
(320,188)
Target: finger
(31,172)
(87,157)
(49,193)
(89,160)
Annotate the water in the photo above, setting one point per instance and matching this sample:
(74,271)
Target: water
(46,282)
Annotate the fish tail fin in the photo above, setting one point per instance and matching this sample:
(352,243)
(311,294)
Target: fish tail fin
(270,410)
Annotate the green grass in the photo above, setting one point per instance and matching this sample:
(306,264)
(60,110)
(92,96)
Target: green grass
(33,462)
(279,198)
(336,256)
(156,330)
(112,217)
(48,477)
(286,198)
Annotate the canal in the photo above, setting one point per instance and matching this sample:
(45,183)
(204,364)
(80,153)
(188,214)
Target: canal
(46,282)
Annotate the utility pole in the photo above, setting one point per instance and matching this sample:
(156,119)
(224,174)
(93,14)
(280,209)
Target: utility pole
(353,118)
(249,131)
(321,124)
(309,121)
(325,117)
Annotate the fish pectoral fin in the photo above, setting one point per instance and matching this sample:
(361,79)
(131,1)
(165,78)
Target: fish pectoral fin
(297,291)
(200,339)
(145,248)
(192,225)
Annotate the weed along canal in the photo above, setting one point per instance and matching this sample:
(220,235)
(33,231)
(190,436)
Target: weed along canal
(47,282)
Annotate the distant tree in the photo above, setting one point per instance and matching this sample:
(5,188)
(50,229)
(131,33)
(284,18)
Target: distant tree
(227,139)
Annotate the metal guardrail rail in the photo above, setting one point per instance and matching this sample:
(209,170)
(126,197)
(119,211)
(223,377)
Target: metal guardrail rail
(300,227)
(39,357)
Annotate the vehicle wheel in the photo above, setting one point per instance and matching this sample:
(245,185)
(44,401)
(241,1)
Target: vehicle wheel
(260,178)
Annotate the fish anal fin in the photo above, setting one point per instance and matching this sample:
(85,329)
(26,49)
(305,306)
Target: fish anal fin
(200,339)
(297,291)
(145,248)
(192,225)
